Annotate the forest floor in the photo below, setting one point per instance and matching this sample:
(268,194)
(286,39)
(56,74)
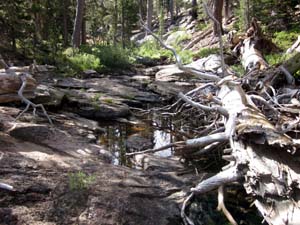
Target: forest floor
(62,175)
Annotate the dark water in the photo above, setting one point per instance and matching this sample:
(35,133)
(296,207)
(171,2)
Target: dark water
(155,131)
(120,138)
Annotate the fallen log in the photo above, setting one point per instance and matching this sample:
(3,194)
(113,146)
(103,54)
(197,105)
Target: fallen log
(251,58)
(262,154)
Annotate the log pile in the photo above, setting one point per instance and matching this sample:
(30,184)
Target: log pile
(258,117)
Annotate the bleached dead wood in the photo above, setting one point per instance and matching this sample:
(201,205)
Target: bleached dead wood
(23,78)
(6,187)
(251,58)
(3,185)
(261,154)
(294,47)
(18,86)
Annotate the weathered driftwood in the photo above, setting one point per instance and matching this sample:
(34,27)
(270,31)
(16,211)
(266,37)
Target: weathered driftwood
(262,157)
(11,83)
(19,86)
(251,58)
(295,47)
(24,78)
(293,64)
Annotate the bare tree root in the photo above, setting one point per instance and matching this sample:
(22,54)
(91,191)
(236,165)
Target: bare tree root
(197,105)
(157,149)
(3,185)
(186,219)
(222,178)
(222,207)
(23,77)
(263,150)
(6,187)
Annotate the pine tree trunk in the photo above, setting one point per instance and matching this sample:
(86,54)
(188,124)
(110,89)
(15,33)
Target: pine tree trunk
(65,22)
(123,23)
(227,10)
(171,9)
(149,13)
(194,9)
(78,24)
(217,11)
(83,27)
(115,22)
(141,11)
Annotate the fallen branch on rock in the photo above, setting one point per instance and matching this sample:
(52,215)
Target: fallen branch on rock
(23,78)
(262,156)
(19,86)
(3,185)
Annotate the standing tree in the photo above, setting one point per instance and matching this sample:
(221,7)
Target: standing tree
(227,10)
(65,22)
(149,13)
(171,10)
(76,40)
(194,9)
(217,12)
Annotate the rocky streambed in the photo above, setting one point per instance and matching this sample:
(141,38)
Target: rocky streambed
(65,173)
(76,172)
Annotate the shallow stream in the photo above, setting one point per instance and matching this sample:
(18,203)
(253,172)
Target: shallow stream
(136,135)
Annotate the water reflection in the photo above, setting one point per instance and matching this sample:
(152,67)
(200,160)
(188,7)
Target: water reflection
(122,137)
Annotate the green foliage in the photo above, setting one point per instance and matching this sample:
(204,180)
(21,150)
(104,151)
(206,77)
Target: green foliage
(81,61)
(111,57)
(182,38)
(275,59)
(108,100)
(96,97)
(204,52)
(96,57)
(285,39)
(239,69)
(151,49)
(80,181)
(202,26)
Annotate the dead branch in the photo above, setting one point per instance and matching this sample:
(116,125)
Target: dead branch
(198,73)
(222,207)
(185,218)
(3,185)
(233,174)
(6,187)
(23,78)
(295,47)
(260,152)
(197,105)
(6,66)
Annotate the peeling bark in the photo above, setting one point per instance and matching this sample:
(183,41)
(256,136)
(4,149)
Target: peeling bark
(262,152)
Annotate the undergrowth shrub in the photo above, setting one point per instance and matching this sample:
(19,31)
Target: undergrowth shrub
(82,61)
(204,52)
(96,57)
(151,49)
(80,181)
(285,39)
